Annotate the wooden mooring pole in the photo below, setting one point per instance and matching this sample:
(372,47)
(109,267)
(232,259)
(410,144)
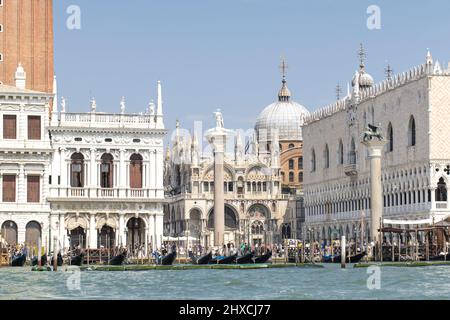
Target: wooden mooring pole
(343,252)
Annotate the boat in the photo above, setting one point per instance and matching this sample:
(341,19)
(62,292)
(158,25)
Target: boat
(19,260)
(337,258)
(59,260)
(224,260)
(35,261)
(203,259)
(441,257)
(169,259)
(77,260)
(264,258)
(245,259)
(118,260)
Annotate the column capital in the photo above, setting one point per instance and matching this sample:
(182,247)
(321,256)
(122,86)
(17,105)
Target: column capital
(375,147)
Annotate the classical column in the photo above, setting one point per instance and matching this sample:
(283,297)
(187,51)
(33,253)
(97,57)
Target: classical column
(92,232)
(62,231)
(64,182)
(151,228)
(375,148)
(93,171)
(122,240)
(122,173)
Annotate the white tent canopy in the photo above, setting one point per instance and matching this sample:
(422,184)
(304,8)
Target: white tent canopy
(408,222)
(175,239)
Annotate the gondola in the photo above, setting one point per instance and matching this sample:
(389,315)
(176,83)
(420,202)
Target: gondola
(441,257)
(59,260)
(264,258)
(245,259)
(118,260)
(337,258)
(224,260)
(35,261)
(203,259)
(169,259)
(19,261)
(77,260)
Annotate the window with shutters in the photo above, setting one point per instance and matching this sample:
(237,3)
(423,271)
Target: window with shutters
(136,171)
(9,188)
(33,189)
(34,128)
(9,127)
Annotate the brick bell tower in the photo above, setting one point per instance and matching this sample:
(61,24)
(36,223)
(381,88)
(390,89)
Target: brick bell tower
(26,38)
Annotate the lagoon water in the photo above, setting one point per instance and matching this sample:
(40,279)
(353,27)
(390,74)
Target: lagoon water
(286,284)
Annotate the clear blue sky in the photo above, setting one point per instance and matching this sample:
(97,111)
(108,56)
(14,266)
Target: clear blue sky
(211,53)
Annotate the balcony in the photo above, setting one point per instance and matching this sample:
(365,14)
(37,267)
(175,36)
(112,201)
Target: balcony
(103,193)
(350,170)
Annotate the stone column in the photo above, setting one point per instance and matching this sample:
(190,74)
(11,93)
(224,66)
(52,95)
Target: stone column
(21,185)
(63,165)
(219,205)
(375,148)
(122,240)
(93,171)
(92,232)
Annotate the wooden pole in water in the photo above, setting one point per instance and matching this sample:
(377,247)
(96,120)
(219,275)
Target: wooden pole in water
(55,254)
(343,252)
(417,246)
(393,248)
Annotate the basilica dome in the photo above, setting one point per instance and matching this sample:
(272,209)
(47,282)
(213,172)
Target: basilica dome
(285,115)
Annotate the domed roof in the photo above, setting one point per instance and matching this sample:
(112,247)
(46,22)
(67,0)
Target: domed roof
(285,115)
(363,79)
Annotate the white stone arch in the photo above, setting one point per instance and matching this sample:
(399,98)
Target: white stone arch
(264,213)
(74,221)
(107,220)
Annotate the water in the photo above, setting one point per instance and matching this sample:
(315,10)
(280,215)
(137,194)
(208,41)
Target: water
(285,284)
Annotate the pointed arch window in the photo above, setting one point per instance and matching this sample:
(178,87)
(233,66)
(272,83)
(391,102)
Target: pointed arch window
(313,161)
(441,191)
(326,155)
(412,132)
(352,153)
(341,153)
(106,171)
(77,170)
(391,138)
(136,170)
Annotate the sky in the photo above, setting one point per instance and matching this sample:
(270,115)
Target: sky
(213,54)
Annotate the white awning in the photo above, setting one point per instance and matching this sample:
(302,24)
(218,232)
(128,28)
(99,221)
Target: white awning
(408,222)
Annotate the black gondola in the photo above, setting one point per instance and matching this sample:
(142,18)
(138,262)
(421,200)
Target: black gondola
(35,261)
(169,259)
(439,258)
(118,260)
(264,258)
(77,260)
(59,260)
(203,259)
(337,258)
(19,261)
(245,259)
(224,260)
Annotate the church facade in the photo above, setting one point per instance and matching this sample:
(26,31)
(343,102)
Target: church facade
(411,110)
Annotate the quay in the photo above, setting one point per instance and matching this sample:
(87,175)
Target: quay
(197,267)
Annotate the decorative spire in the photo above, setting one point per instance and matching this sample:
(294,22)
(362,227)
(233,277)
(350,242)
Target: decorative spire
(159,108)
(338,91)
(429,59)
(389,72)
(284,94)
(151,108)
(63,104)
(362,56)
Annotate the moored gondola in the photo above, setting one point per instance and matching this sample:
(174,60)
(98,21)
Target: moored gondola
(19,260)
(337,258)
(59,260)
(35,261)
(169,259)
(264,258)
(245,259)
(77,260)
(118,260)
(203,259)
(224,260)
(441,257)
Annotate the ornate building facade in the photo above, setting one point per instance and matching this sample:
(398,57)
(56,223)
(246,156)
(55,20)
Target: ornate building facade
(411,108)
(255,208)
(91,179)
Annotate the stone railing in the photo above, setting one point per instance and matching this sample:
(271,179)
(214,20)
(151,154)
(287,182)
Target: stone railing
(102,193)
(106,120)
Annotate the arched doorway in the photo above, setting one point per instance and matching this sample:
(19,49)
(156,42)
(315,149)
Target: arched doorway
(77,170)
(195,223)
(231,222)
(106,237)
(77,238)
(33,234)
(135,233)
(9,232)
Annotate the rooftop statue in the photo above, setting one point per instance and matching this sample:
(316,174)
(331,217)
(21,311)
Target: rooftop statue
(219,119)
(372,132)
